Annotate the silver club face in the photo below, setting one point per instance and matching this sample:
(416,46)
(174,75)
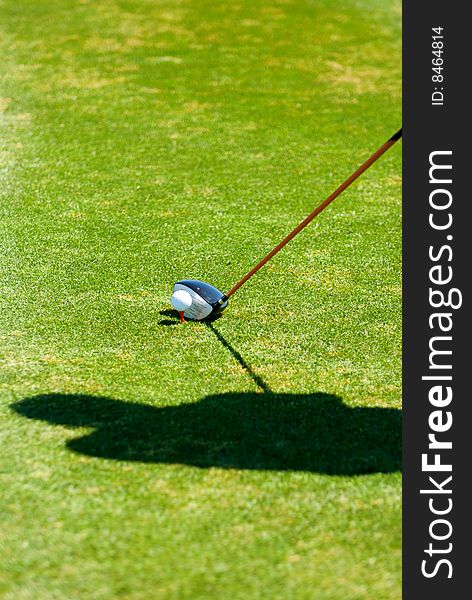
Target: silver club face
(206,299)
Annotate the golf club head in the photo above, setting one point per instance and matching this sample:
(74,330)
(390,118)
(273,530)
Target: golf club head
(206,299)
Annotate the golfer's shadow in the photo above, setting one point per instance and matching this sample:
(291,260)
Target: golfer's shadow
(266,431)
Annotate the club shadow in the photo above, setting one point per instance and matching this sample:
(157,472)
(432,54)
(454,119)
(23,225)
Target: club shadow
(174,320)
(265,431)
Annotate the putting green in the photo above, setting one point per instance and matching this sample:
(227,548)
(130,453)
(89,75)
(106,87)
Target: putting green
(146,141)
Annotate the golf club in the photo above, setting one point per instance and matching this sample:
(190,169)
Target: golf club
(197,300)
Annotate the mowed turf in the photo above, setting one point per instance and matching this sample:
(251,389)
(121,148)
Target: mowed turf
(255,457)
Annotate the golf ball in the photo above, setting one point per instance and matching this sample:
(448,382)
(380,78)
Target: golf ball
(181,300)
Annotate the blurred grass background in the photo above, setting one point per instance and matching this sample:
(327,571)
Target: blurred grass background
(147,141)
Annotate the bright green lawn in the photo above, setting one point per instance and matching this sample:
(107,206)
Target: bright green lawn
(144,141)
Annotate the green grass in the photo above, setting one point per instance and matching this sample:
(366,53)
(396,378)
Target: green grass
(257,458)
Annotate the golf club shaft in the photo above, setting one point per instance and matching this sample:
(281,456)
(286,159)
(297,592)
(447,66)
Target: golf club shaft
(388,144)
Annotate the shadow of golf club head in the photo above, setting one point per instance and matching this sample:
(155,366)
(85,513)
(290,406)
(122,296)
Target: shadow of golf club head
(175,320)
